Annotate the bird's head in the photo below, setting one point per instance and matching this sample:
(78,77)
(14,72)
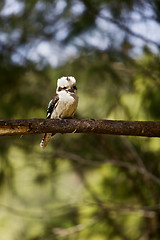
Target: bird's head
(67,84)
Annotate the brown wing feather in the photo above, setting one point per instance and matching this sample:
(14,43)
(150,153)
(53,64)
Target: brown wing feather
(51,105)
(50,109)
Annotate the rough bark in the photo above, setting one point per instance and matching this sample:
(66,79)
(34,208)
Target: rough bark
(95,126)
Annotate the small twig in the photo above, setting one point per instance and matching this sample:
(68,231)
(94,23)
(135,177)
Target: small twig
(63,232)
(128,30)
(141,170)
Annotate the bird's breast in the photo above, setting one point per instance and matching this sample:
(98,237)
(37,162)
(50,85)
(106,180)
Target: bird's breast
(67,105)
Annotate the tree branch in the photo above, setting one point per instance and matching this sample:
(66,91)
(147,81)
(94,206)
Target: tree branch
(96,126)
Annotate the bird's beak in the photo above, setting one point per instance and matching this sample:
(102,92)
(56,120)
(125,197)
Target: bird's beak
(71,90)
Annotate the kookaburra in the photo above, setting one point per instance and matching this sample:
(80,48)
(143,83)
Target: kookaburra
(63,104)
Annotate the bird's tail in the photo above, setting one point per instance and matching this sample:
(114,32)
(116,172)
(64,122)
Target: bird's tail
(45,140)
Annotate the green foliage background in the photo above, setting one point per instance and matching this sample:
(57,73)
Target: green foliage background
(81,186)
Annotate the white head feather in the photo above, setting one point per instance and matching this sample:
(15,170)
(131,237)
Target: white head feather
(66,82)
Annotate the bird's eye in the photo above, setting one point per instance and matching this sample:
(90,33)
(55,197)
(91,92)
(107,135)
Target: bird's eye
(74,87)
(59,89)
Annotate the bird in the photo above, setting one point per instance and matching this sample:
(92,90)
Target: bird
(63,104)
